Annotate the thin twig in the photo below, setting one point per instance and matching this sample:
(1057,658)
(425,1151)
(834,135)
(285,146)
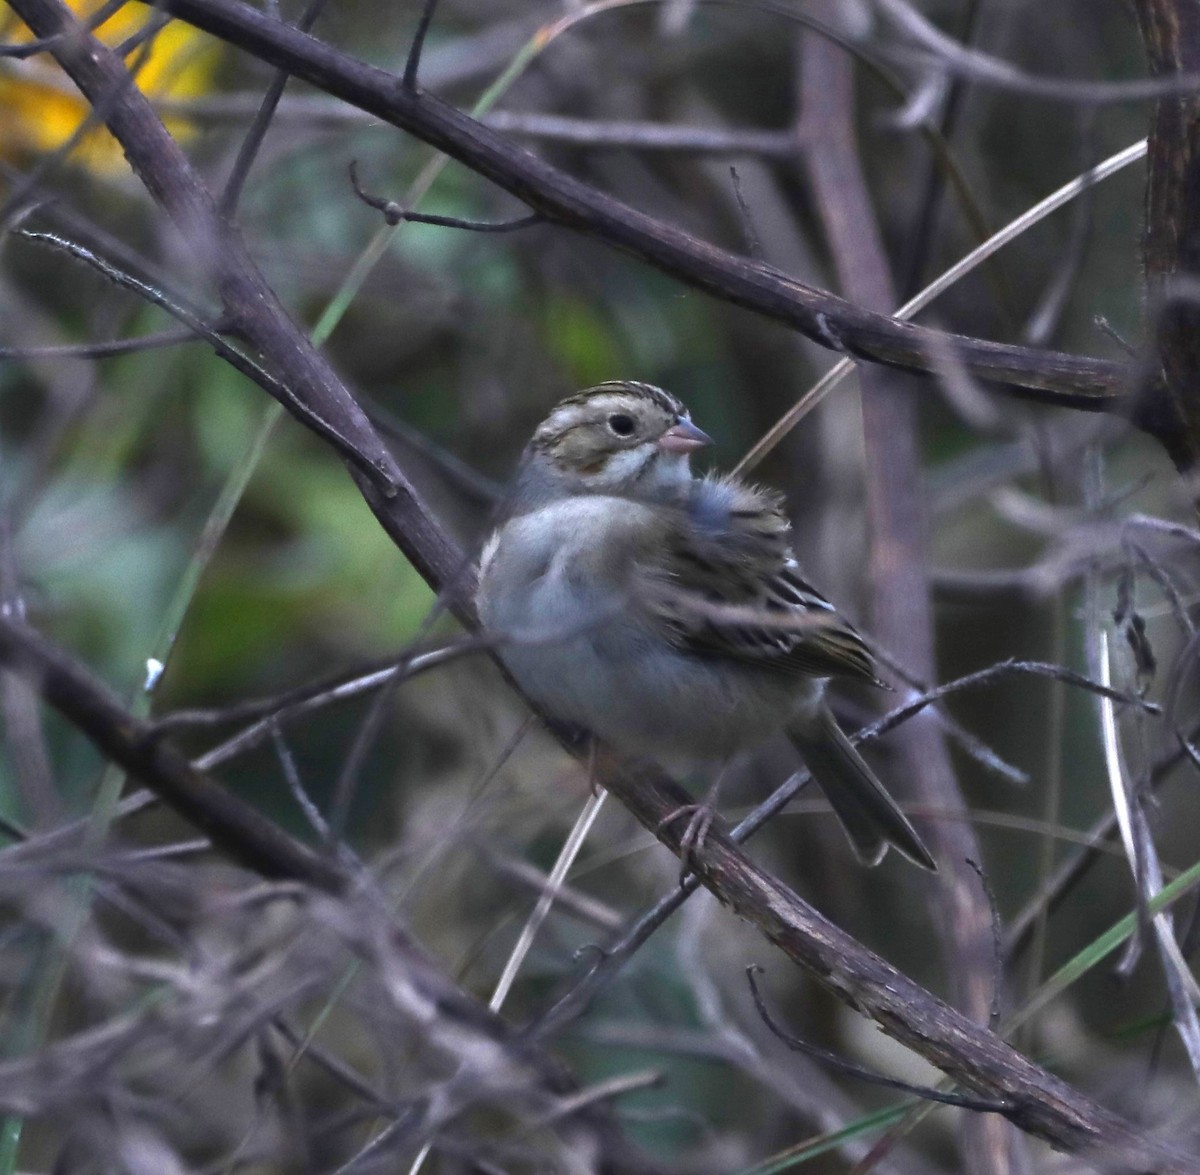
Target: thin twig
(253,140)
(413,64)
(166,338)
(394,214)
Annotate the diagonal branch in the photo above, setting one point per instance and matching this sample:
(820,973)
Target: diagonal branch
(252,310)
(235,827)
(1034,1100)
(972,1055)
(1049,377)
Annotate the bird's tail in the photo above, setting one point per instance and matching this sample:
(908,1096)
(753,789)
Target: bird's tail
(870,816)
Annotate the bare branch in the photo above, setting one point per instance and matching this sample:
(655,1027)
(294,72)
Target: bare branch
(1045,376)
(1038,1103)
(925,1092)
(251,309)
(394,213)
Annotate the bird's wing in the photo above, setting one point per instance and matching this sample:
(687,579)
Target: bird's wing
(728,586)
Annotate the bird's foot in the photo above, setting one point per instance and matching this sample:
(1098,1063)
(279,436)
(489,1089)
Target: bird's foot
(699,821)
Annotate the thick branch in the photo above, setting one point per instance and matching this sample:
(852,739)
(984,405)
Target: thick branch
(233,826)
(242,833)
(970,1054)
(251,309)
(977,1059)
(1171,31)
(1046,376)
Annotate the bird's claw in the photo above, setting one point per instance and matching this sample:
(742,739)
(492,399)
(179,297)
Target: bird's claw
(699,821)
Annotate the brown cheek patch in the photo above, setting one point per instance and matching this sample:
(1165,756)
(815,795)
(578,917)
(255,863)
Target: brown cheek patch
(594,467)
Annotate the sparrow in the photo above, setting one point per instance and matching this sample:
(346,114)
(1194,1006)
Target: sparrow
(665,612)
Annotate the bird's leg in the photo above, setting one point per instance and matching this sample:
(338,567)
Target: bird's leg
(593,779)
(699,820)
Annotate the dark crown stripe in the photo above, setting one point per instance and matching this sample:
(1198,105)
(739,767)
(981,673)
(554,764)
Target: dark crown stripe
(663,400)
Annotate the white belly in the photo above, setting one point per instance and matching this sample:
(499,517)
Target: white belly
(585,652)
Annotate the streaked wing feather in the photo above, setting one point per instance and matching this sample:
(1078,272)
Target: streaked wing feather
(731,588)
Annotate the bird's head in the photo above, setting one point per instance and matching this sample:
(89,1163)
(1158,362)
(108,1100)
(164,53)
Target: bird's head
(620,437)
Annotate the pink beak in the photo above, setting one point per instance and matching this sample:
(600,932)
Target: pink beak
(684,437)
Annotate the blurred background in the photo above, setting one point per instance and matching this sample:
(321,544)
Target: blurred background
(457,344)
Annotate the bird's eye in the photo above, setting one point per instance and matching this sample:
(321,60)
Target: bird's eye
(621,424)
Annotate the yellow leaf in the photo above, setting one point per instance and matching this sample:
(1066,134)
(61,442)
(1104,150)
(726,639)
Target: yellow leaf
(40,109)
